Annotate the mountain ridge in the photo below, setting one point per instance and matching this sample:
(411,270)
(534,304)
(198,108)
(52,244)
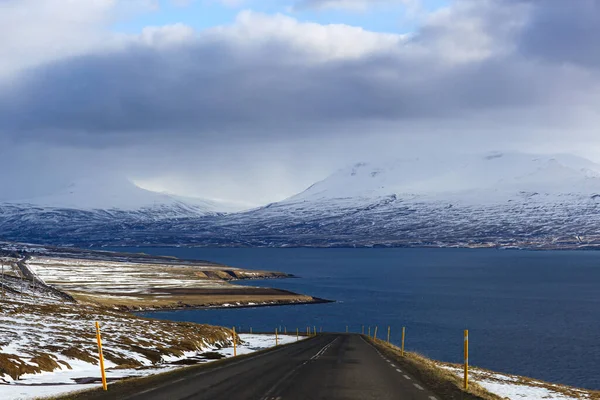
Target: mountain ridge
(493,200)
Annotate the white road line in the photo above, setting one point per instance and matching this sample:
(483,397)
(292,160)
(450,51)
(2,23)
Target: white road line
(432,398)
(399,370)
(275,387)
(407,377)
(208,371)
(323,350)
(393,365)
(419,387)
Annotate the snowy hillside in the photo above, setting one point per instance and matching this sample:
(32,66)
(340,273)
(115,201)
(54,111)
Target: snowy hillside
(119,194)
(491,178)
(508,200)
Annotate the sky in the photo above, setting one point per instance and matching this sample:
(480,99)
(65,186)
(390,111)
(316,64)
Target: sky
(252,101)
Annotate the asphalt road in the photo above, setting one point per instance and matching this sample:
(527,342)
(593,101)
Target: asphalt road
(329,366)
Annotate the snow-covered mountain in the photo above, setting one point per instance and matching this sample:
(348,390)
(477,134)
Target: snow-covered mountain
(119,195)
(496,199)
(488,179)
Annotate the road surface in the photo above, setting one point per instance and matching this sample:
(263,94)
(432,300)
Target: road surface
(329,366)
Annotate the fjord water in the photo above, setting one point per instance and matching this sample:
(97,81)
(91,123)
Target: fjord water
(528,313)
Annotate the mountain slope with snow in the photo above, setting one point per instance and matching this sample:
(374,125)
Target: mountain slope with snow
(119,194)
(470,179)
(512,199)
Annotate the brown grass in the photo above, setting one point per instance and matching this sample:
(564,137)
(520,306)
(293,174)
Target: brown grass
(154,301)
(448,385)
(14,366)
(79,354)
(569,391)
(443,383)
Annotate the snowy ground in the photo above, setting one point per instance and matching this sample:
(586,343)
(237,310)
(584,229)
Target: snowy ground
(118,278)
(153,285)
(514,387)
(60,382)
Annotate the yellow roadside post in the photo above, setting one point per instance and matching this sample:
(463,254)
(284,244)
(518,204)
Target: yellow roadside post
(99,338)
(375,333)
(389,329)
(466,372)
(315,330)
(234,343)
(276,337)
(403,332)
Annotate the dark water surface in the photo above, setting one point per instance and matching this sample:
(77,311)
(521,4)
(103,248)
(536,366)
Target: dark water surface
(529,313)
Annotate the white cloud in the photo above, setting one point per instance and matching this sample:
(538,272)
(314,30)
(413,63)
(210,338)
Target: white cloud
(354,5)
(311,41)
(167,35)
(38,31)
(267,104)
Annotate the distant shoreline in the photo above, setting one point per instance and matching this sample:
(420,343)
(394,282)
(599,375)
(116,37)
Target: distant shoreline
(592,247)
(317,300)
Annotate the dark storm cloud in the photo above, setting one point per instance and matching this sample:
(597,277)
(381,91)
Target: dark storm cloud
(200,88)
(210,87)
(563,31)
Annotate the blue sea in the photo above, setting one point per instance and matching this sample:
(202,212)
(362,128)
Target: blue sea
(533,313)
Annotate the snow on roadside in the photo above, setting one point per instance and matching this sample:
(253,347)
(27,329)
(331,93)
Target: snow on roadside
(32,386)
(257,342)
(515,387)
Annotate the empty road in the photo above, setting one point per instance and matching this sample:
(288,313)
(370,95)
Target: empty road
(329,366)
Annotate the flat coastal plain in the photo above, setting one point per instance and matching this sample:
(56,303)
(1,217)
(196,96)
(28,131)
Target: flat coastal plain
(143,282)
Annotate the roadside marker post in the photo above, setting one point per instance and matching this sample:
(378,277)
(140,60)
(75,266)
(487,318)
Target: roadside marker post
(297,334)
(369,332)
(389,329)
(363,329)
(234,343)
(285,330)
(403,334)
(250,329)
(276,338)
(466,371)
(321,330)
(315,330)
(375,333)
(346,328)
(99,339)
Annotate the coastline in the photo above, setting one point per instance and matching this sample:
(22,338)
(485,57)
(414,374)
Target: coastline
(316,300)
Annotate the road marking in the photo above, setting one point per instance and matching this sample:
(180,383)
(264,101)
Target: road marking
(419,387)
(432,398)
(399,370)
(407,377)
(393,365)
(274,388)
(266,352)
(323,350)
